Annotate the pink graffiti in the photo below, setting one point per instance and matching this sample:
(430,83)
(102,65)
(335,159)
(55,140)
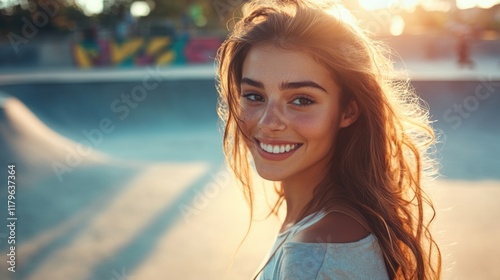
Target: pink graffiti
(201,50)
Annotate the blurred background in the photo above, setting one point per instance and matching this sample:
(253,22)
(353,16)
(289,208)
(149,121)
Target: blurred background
(108,119)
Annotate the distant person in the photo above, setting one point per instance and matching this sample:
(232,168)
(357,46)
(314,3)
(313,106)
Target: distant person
(124,25)
(90,44)
(309,96)
(463,52)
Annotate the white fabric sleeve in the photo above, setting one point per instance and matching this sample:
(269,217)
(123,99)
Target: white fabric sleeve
(357,260)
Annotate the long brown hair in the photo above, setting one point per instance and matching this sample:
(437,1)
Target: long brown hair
(381,161)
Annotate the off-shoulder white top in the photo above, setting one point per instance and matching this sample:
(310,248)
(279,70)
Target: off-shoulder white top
(297,260)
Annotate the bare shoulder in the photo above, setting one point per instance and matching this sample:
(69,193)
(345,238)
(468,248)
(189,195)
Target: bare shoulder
(335,227)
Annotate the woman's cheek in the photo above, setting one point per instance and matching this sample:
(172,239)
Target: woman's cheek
(248,117)
(310,123)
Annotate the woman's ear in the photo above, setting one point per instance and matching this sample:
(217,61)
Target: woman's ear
(350,114)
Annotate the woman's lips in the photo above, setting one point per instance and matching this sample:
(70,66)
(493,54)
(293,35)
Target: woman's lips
(276,150)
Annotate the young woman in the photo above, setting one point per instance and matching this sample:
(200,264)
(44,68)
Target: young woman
(311,98)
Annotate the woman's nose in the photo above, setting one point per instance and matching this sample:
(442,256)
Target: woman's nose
(272,118)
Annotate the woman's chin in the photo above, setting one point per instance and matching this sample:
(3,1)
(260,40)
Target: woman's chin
(270,174)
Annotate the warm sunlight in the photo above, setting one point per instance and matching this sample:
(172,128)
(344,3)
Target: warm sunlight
(91,7)
(140,9)
(397,25)
(374,4)
(466,4)
(370,5)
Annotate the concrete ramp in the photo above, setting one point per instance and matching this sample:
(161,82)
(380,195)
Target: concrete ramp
(140,189)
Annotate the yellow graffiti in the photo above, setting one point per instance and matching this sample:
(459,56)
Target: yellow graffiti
(156,44)
(166,58)
(82,56)
(126,50)
(134,51)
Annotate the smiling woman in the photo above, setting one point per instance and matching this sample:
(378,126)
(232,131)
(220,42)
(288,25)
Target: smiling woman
(311,98)
(299,108)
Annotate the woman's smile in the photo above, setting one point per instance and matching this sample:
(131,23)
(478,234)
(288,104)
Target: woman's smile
(276,149)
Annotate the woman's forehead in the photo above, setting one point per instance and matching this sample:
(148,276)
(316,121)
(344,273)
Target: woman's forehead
(271,63)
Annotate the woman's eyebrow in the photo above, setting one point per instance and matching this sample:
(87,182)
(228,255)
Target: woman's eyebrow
(285,85)
(301,84)
(251,82)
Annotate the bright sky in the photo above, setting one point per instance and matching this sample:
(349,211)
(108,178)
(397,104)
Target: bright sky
(91,7)
(465,4)
(384,4)
(433,4)
(95,6)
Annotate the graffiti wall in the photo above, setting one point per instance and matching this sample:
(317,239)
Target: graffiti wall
(161,50)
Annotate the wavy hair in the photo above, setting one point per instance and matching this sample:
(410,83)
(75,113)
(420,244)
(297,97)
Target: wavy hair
(381,161)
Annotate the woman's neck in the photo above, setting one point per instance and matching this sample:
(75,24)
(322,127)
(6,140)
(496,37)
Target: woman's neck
(298,193)
(299,190)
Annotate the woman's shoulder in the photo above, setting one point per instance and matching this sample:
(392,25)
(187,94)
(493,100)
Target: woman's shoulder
(338,246)
(361,259)
(337,226)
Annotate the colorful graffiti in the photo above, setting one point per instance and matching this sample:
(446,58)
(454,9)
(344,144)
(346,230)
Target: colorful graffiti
(161,50)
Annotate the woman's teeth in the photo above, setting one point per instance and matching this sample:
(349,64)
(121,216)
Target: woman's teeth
(277,149)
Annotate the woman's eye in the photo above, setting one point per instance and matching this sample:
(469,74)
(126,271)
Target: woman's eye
(253,97)
(302,101)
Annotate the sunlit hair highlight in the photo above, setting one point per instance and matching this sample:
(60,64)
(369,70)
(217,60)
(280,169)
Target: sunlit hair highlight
(381,161)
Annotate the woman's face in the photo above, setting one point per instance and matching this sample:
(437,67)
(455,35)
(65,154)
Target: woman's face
(290,106)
